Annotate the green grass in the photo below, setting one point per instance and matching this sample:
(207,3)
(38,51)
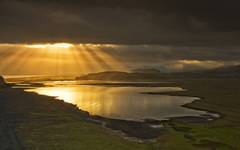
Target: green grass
(175,141)
(219,95)
(51,127)
(204,134)
(71,134)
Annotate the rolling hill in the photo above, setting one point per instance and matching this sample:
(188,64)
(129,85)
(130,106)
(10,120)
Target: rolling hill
(153,75)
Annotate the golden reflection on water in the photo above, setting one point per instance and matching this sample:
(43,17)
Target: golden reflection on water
(121,102)
(88,98)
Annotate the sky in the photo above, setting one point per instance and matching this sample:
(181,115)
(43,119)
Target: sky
(171,35)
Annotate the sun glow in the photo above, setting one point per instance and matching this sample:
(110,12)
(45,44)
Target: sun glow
(58,58)
(55,45)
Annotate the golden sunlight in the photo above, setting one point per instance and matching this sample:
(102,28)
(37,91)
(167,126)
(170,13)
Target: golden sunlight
(197,63)
(58,58)
(55,45)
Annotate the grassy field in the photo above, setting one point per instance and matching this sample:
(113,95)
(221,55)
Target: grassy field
(42,123)
(218,95)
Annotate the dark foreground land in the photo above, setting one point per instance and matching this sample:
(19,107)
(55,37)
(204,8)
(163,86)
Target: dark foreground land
(30,121)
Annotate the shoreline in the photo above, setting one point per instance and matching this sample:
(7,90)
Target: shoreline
(188,105)
(135,129)
(140,130)
(40,117)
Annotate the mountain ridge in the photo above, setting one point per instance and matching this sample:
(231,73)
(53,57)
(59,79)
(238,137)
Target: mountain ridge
(230,71)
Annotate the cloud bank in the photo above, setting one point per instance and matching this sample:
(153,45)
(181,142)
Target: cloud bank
(164,22)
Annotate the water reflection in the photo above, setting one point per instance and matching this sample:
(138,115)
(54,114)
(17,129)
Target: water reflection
(122,102)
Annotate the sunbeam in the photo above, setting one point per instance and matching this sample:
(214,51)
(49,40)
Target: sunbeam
(56,59)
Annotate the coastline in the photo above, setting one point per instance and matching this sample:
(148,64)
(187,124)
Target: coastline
(141,130)
(190,106)
(38,109)
(145,129)
(129,128)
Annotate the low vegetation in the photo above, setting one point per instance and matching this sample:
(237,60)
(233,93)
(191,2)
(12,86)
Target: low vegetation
(43,123)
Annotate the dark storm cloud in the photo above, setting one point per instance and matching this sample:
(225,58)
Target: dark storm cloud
(168,34)
(172,58)
(166,22)
(155,53)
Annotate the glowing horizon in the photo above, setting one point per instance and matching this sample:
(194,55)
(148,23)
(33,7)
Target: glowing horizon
(54,45)
(62,58)
(57,58)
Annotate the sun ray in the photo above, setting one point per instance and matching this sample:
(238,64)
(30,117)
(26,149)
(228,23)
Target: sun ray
(10,62)
(59,58)
(118,64)
(27,58)
(101,62)
(81,59)
(77,63)
(87,59)
(44,60)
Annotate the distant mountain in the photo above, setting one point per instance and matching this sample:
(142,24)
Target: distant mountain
(154,75)
(146,70)
(119,76)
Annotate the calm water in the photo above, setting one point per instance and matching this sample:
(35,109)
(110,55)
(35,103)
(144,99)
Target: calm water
(121,102)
